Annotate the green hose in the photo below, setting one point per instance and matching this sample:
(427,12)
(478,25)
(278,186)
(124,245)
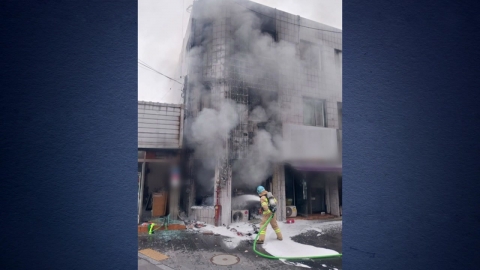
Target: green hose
(287,258)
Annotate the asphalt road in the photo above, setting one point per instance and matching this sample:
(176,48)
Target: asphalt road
(193,250)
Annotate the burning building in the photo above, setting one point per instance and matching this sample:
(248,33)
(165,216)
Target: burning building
(262,93)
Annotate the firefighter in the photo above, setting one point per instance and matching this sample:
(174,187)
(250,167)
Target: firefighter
(267,207)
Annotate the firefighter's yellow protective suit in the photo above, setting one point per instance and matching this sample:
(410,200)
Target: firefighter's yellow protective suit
(266,215)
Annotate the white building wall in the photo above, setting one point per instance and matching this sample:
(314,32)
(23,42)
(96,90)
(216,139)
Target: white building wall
(328,79)
(159,125)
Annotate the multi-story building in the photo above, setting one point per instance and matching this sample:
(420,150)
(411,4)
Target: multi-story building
(280,77)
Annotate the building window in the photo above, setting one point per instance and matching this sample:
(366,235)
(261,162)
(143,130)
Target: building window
(338,59)
(313,112)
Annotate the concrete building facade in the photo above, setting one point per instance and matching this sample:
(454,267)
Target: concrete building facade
(285,74)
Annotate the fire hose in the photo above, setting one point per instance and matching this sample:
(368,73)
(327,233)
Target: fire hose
(287,258)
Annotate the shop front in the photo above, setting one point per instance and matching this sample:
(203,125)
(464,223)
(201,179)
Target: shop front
(312,190)
(158,184)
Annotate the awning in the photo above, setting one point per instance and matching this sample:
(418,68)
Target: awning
(315,166)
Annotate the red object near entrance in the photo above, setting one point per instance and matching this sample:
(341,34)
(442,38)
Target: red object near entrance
(218,211)
(290,221)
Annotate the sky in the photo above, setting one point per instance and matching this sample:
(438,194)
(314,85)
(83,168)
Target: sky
(162,25)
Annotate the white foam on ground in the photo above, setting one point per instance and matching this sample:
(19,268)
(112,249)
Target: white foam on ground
(290,248)
(243,227)
(295,263)
(287,247)
(232,242)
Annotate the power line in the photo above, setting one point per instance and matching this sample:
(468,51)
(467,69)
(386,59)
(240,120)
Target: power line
(287,21)
(145,65)
(165,93)
(154,70)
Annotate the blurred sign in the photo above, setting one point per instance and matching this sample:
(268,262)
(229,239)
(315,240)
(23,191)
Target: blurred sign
(310,143)
(175,176)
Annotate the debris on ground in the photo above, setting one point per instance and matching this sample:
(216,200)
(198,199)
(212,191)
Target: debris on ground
(199,225)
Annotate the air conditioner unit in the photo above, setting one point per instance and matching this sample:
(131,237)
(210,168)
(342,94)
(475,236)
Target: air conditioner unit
(291,211)
(239,216)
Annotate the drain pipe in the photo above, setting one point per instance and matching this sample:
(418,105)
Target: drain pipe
(218,208)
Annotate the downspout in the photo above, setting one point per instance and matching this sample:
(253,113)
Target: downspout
(218,207)
(142,183)
(182,115)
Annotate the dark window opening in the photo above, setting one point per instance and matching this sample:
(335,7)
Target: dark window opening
(268,27)
(260,98)
(266,100)
(204,184)
(338,58)
(205,99)
(202,33)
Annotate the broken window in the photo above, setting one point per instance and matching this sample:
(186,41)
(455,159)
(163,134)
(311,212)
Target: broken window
(267,23)
(268,28)
(313,112)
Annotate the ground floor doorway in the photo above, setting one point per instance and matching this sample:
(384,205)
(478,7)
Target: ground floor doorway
(312,193)
(155,187)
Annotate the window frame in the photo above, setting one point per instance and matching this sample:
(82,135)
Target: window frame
(314,103)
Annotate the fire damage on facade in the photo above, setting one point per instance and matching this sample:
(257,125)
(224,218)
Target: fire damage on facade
(262,93)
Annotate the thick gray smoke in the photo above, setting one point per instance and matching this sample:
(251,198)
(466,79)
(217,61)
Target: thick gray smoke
(258,165)
(209,131)
(271,61)
(208,136)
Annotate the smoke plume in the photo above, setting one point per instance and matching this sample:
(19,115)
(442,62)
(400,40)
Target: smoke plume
(260,61)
